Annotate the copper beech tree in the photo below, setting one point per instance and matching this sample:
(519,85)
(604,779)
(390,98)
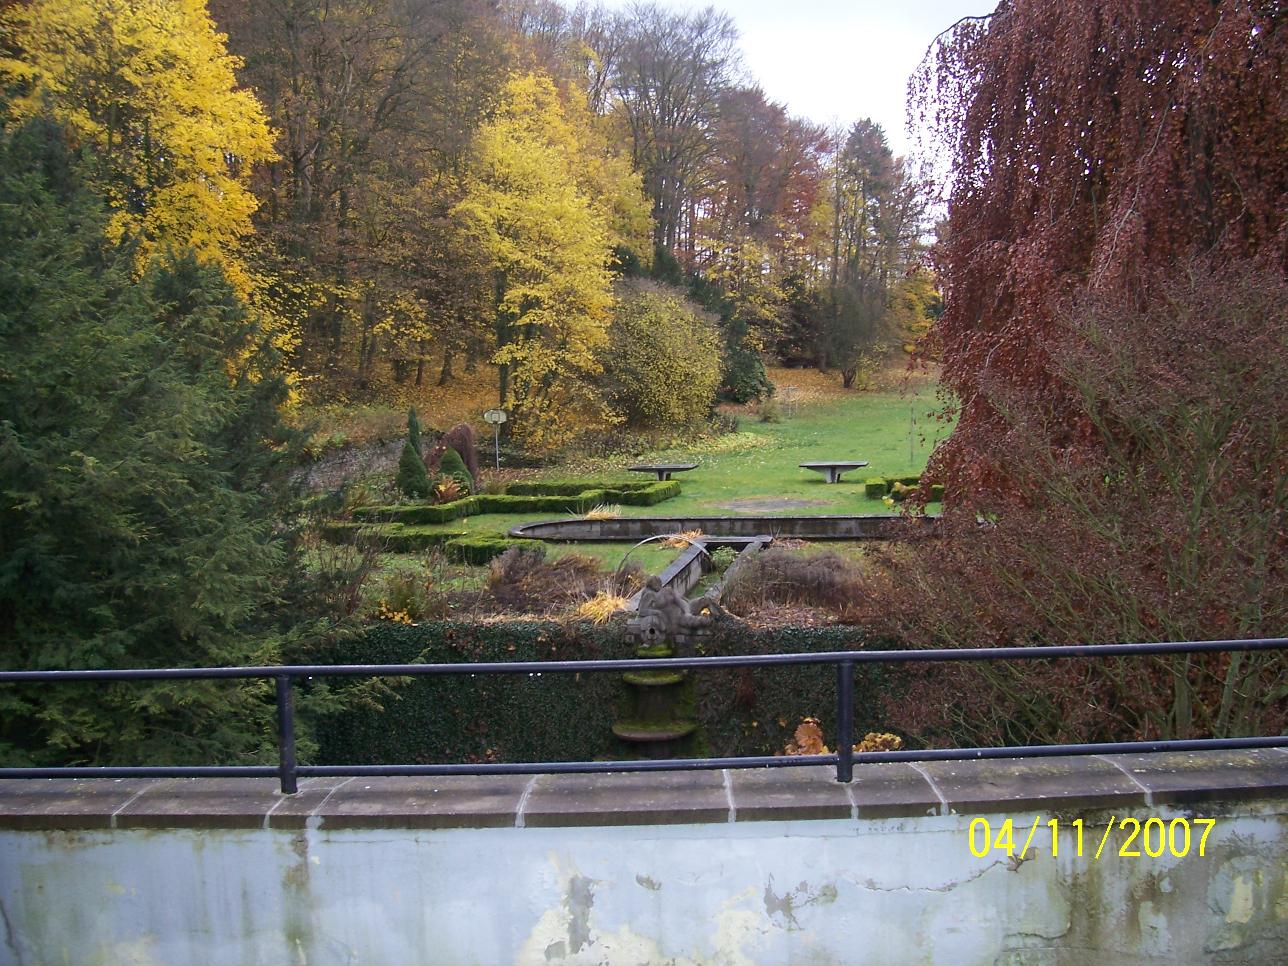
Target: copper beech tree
(1115,337)
(1090,144)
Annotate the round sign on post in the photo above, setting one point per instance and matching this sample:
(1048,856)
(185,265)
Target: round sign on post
(496,417)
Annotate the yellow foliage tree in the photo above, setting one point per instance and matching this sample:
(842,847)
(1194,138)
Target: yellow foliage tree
(549,243)
(149,86)
(915,304)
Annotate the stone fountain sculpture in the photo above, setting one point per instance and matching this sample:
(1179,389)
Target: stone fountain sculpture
(658,719)
(665,616)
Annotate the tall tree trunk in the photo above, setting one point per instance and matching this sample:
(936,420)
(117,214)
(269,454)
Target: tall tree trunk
(445,374)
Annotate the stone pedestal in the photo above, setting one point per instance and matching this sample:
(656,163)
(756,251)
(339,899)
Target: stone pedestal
(657,719)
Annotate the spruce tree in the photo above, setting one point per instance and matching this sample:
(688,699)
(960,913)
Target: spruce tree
(141,455)
(413,429)
(412,479)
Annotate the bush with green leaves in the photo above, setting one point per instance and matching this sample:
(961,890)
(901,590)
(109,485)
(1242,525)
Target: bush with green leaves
(662,361)
(722,558)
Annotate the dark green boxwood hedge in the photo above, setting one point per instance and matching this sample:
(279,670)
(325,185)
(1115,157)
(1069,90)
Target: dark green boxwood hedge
(479,550)
(875,488)
(571,487)
(631,494)
(420,512)
(567,717)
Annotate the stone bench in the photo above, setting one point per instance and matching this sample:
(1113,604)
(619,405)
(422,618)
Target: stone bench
(833,469)
(663,470)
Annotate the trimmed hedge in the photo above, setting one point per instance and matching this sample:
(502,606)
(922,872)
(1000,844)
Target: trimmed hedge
(420,512)
(649,494)
(404,538)
(479,551)
(642,494)
(567,717)
(936,493)
(571,487)
(504,503)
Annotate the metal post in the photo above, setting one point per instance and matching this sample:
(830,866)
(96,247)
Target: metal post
(496,443)
(286,734)
(845,721)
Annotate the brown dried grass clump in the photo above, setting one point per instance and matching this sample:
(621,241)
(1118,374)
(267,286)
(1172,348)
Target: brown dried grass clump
(808,740)
(785,577)
(522,579)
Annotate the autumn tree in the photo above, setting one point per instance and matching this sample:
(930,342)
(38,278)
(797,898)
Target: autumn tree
(150,87)
(668,78)
(662,361)
(1090,143)
(377,104)
(549,244)
(877,214)
(1114,270)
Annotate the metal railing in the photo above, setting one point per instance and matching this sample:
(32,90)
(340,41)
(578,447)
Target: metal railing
(288,771)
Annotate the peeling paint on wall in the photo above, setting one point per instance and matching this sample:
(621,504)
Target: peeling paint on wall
(834,891)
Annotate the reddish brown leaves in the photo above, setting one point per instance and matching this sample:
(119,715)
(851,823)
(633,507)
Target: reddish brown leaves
(1092,143)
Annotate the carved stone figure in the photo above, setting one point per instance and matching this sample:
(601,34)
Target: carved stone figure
(667,616)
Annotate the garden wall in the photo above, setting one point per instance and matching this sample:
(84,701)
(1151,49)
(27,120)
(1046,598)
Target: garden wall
(770,867)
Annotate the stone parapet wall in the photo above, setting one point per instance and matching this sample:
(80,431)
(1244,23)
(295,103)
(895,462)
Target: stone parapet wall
(738,866)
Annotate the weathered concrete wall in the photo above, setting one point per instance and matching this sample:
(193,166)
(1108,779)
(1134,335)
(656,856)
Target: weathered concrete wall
(758,867)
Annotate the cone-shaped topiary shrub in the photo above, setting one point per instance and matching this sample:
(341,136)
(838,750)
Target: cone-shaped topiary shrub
(452,465)
(412,479)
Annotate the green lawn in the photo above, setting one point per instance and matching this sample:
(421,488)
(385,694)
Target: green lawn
(754,471)
(745,473)
(760,462)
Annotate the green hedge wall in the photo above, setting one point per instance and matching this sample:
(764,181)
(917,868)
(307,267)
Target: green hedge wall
(571,487)
(631,494)
(420,513)
(564,717)
(478,551)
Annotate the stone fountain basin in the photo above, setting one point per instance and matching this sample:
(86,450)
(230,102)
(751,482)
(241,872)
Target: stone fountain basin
(717,529)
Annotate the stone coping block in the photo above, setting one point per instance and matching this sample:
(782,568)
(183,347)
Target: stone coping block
(800,793)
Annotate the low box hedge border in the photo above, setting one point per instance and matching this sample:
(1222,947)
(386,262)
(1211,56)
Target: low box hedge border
(572,487)
(630,494)
(878,487)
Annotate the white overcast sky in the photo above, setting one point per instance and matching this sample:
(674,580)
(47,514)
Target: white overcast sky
(830,60)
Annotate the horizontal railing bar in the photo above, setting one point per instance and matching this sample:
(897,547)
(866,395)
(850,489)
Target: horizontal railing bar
(562,767)
(654,765)
(144,771)
(1037,653)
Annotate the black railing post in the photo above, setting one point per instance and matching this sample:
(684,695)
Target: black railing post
(286,734)
(845,721)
